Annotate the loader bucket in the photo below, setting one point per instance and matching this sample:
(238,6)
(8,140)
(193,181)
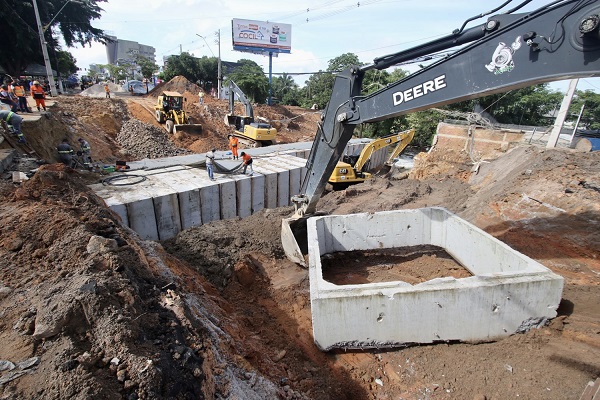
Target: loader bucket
(192,129)
(294,239)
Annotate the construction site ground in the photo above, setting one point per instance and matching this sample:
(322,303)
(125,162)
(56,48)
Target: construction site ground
(88,310)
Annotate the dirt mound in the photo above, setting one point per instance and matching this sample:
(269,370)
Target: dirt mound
(177,84)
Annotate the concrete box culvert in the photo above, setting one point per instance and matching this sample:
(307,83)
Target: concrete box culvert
(508,292)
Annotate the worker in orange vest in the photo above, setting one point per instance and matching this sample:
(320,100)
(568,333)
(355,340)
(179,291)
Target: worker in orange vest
(38,94)
(233,145)
(247,162)
(107,91)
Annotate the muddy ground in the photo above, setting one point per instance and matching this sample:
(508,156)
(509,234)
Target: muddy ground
(91,311)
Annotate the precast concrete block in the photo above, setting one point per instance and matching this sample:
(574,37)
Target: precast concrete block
(294,165)
(243,186)
(168,218)
(189,208)
(121,211)
(210,203)
(228,199)
(270,186)
(508,292)
(142,218)
(258,193)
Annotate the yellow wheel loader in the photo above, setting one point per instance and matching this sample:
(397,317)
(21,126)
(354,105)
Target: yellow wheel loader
(352,169)
(169,111)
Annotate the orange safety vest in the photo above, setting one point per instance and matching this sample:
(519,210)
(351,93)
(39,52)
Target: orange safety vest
(19,91)
(233,142)
(247,159)
(37,89)
(106,89)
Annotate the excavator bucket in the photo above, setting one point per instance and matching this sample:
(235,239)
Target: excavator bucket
(294,239)
(192,129)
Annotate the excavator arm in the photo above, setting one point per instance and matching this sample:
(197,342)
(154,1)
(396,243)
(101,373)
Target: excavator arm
(509,51)
(234,91)
(402,138)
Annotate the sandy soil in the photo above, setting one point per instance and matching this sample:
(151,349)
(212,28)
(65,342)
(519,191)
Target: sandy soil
(88,310)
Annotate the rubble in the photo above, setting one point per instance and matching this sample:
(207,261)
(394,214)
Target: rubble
(140,140)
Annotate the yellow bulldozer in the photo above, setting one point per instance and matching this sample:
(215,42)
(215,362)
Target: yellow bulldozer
(352,168)
(169,111)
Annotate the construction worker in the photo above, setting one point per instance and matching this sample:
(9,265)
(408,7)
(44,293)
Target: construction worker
(210,160)
(247,162)
(19,91)
(65,153)
(86,152)
(107,90)
(233,145)
(39,95)
(14,123)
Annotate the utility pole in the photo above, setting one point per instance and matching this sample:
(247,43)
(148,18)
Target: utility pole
(219,75)
(51,82)
(562,114)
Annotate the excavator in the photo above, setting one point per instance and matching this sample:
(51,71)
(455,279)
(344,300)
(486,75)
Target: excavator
(510,50)
(353,169)
(169,111)
(246,129)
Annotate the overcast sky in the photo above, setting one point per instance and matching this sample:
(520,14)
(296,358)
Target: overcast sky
(321,29)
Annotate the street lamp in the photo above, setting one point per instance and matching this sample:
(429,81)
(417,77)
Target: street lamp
(41,31)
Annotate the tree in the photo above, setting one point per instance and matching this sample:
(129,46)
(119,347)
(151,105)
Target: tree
(250,77)
(283,86)
(202,71)
(526,106)
(591,113)
(67,64)
(147,66)
(117,72)
(21,44)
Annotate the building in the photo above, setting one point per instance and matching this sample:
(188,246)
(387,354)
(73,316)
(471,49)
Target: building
(125,50)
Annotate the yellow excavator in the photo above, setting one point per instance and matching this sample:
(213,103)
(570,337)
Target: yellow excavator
(352,169)
(169,111)
(246,129)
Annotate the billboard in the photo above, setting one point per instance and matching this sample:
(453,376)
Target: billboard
(269,37)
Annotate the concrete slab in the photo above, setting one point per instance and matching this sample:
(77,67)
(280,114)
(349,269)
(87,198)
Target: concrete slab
(508,292)
(6,158)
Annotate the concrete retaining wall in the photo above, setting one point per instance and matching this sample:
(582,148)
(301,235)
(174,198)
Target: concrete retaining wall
(179,197)
(507,293)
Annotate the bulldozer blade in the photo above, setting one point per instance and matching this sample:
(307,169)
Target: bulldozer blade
(192,129)
(294,239)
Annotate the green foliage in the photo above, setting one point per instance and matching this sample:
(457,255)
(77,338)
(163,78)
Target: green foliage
(67,64)
(317,90)
(284,88)
(423,122)
(183,64)
(591,113)
(117,72)
(250,77)
(21,44)
(343,62)
(147,66)
(526,106)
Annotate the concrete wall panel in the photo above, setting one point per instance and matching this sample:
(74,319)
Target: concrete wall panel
(244,197)
(168,220)
(210,203)
(189,208)
(143,219)
(258,193)
(228,199)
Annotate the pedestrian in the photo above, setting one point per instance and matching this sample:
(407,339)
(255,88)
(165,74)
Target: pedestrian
(39,95)
(107,90)
(19,91)
(201,96)
(14,123)
(86,152)
(65,153)
(233,145)
(210,160)
(6,98)
(247,162)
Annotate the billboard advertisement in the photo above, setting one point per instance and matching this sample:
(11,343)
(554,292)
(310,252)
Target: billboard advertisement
(270,37)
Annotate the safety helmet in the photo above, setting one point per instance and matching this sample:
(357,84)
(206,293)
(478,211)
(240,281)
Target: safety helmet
(36,82)
(213,150)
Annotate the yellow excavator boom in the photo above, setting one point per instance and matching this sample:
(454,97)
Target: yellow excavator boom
(402,138)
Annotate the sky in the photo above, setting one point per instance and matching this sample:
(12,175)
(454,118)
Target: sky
(321,29)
